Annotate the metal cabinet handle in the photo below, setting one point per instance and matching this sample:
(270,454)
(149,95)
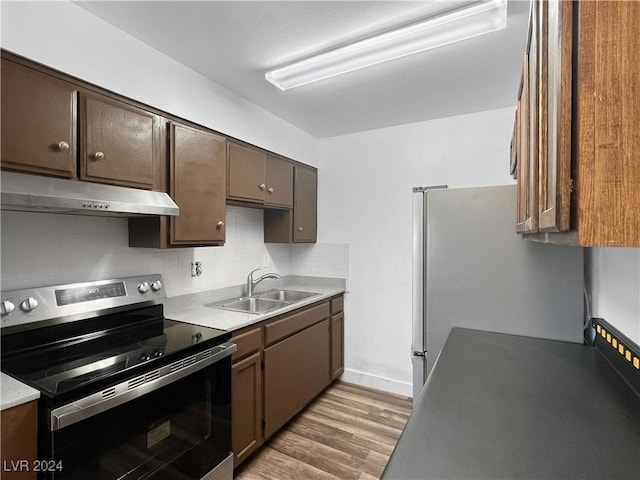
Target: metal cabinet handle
(300,229)
(98,156)
(270,189)
(62,146)
(220,224)
(262,186)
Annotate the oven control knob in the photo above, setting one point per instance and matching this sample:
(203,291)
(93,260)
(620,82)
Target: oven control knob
(29,304)
(156,353)
(143,287)
(6,307)
(156,286)
(144,356)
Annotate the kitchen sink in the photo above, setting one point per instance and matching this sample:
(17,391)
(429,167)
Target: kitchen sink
(288,296)
(262,302)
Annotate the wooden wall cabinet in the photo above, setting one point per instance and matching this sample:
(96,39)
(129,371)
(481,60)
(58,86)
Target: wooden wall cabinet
(279,182)
(576,127)
(123,142)
(119,143)
(246,170)
(259,177)
(197,179)
(197,163)
(38,122)
(19,441)
(300,224)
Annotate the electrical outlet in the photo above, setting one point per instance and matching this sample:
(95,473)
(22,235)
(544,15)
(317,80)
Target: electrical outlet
(196,269)
(265,260)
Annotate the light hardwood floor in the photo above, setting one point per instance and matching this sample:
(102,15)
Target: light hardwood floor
(348,432)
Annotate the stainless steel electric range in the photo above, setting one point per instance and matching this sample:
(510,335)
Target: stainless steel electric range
(125,392)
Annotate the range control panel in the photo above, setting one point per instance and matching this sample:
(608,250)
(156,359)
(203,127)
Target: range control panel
(18,308)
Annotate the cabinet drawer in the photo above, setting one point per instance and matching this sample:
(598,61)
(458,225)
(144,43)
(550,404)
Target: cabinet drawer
(248,343)
(337,305)
(282,328)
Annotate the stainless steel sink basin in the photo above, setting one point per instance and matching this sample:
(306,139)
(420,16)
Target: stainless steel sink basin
(248,305)
(288,296)
(262,302)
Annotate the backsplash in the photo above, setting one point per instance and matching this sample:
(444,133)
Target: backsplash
(44,249)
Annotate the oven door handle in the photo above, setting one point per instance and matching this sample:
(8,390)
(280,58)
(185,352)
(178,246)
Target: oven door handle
(111,397)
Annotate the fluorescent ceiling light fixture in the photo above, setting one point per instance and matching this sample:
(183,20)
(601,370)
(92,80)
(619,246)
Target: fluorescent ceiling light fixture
(473,20)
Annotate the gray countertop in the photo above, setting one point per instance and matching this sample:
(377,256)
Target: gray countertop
(190,309)
(507,407)
(230,321)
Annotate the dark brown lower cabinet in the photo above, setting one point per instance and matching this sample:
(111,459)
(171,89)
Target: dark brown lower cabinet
(280,366)
(337,345)
(246,416)
(18,443)
(295,371)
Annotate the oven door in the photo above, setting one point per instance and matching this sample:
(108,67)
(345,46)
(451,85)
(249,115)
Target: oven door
(180,430)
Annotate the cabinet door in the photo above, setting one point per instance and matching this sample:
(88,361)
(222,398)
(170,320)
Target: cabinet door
(279,182)
(555,56)
(246,173)
(38,122)
(531,220)
(305,204)
(197,165)
(246,407)
(19,426)
(524,148)
(337,345)
(295,371)
(119,143)
(608,108)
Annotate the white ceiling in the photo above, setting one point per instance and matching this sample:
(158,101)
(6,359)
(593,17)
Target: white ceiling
(235,42)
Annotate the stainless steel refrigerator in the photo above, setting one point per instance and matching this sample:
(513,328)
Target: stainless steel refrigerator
(471,269)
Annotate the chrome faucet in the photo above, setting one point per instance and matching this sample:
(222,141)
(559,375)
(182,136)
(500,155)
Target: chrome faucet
(251,283)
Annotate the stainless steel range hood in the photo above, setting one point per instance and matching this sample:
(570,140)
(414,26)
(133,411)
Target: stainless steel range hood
(35,193)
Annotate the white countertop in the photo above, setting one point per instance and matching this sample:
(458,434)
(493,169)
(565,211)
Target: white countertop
(16,393)
(230,320)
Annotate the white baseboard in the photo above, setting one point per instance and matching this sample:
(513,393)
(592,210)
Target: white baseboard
(377,382)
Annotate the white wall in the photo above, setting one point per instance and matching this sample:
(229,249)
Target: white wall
(43,249)
(365,200)
(66,37)
(614,277)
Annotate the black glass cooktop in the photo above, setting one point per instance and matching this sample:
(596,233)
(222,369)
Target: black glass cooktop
(61,358)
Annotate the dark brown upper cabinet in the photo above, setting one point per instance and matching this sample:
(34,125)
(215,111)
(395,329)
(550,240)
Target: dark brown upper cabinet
(300,224)
(197,183)
(246,170)
(576,153)
(305,204)
(38,122)
(259,178)
(119,143)
(197,179)
(279,182)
